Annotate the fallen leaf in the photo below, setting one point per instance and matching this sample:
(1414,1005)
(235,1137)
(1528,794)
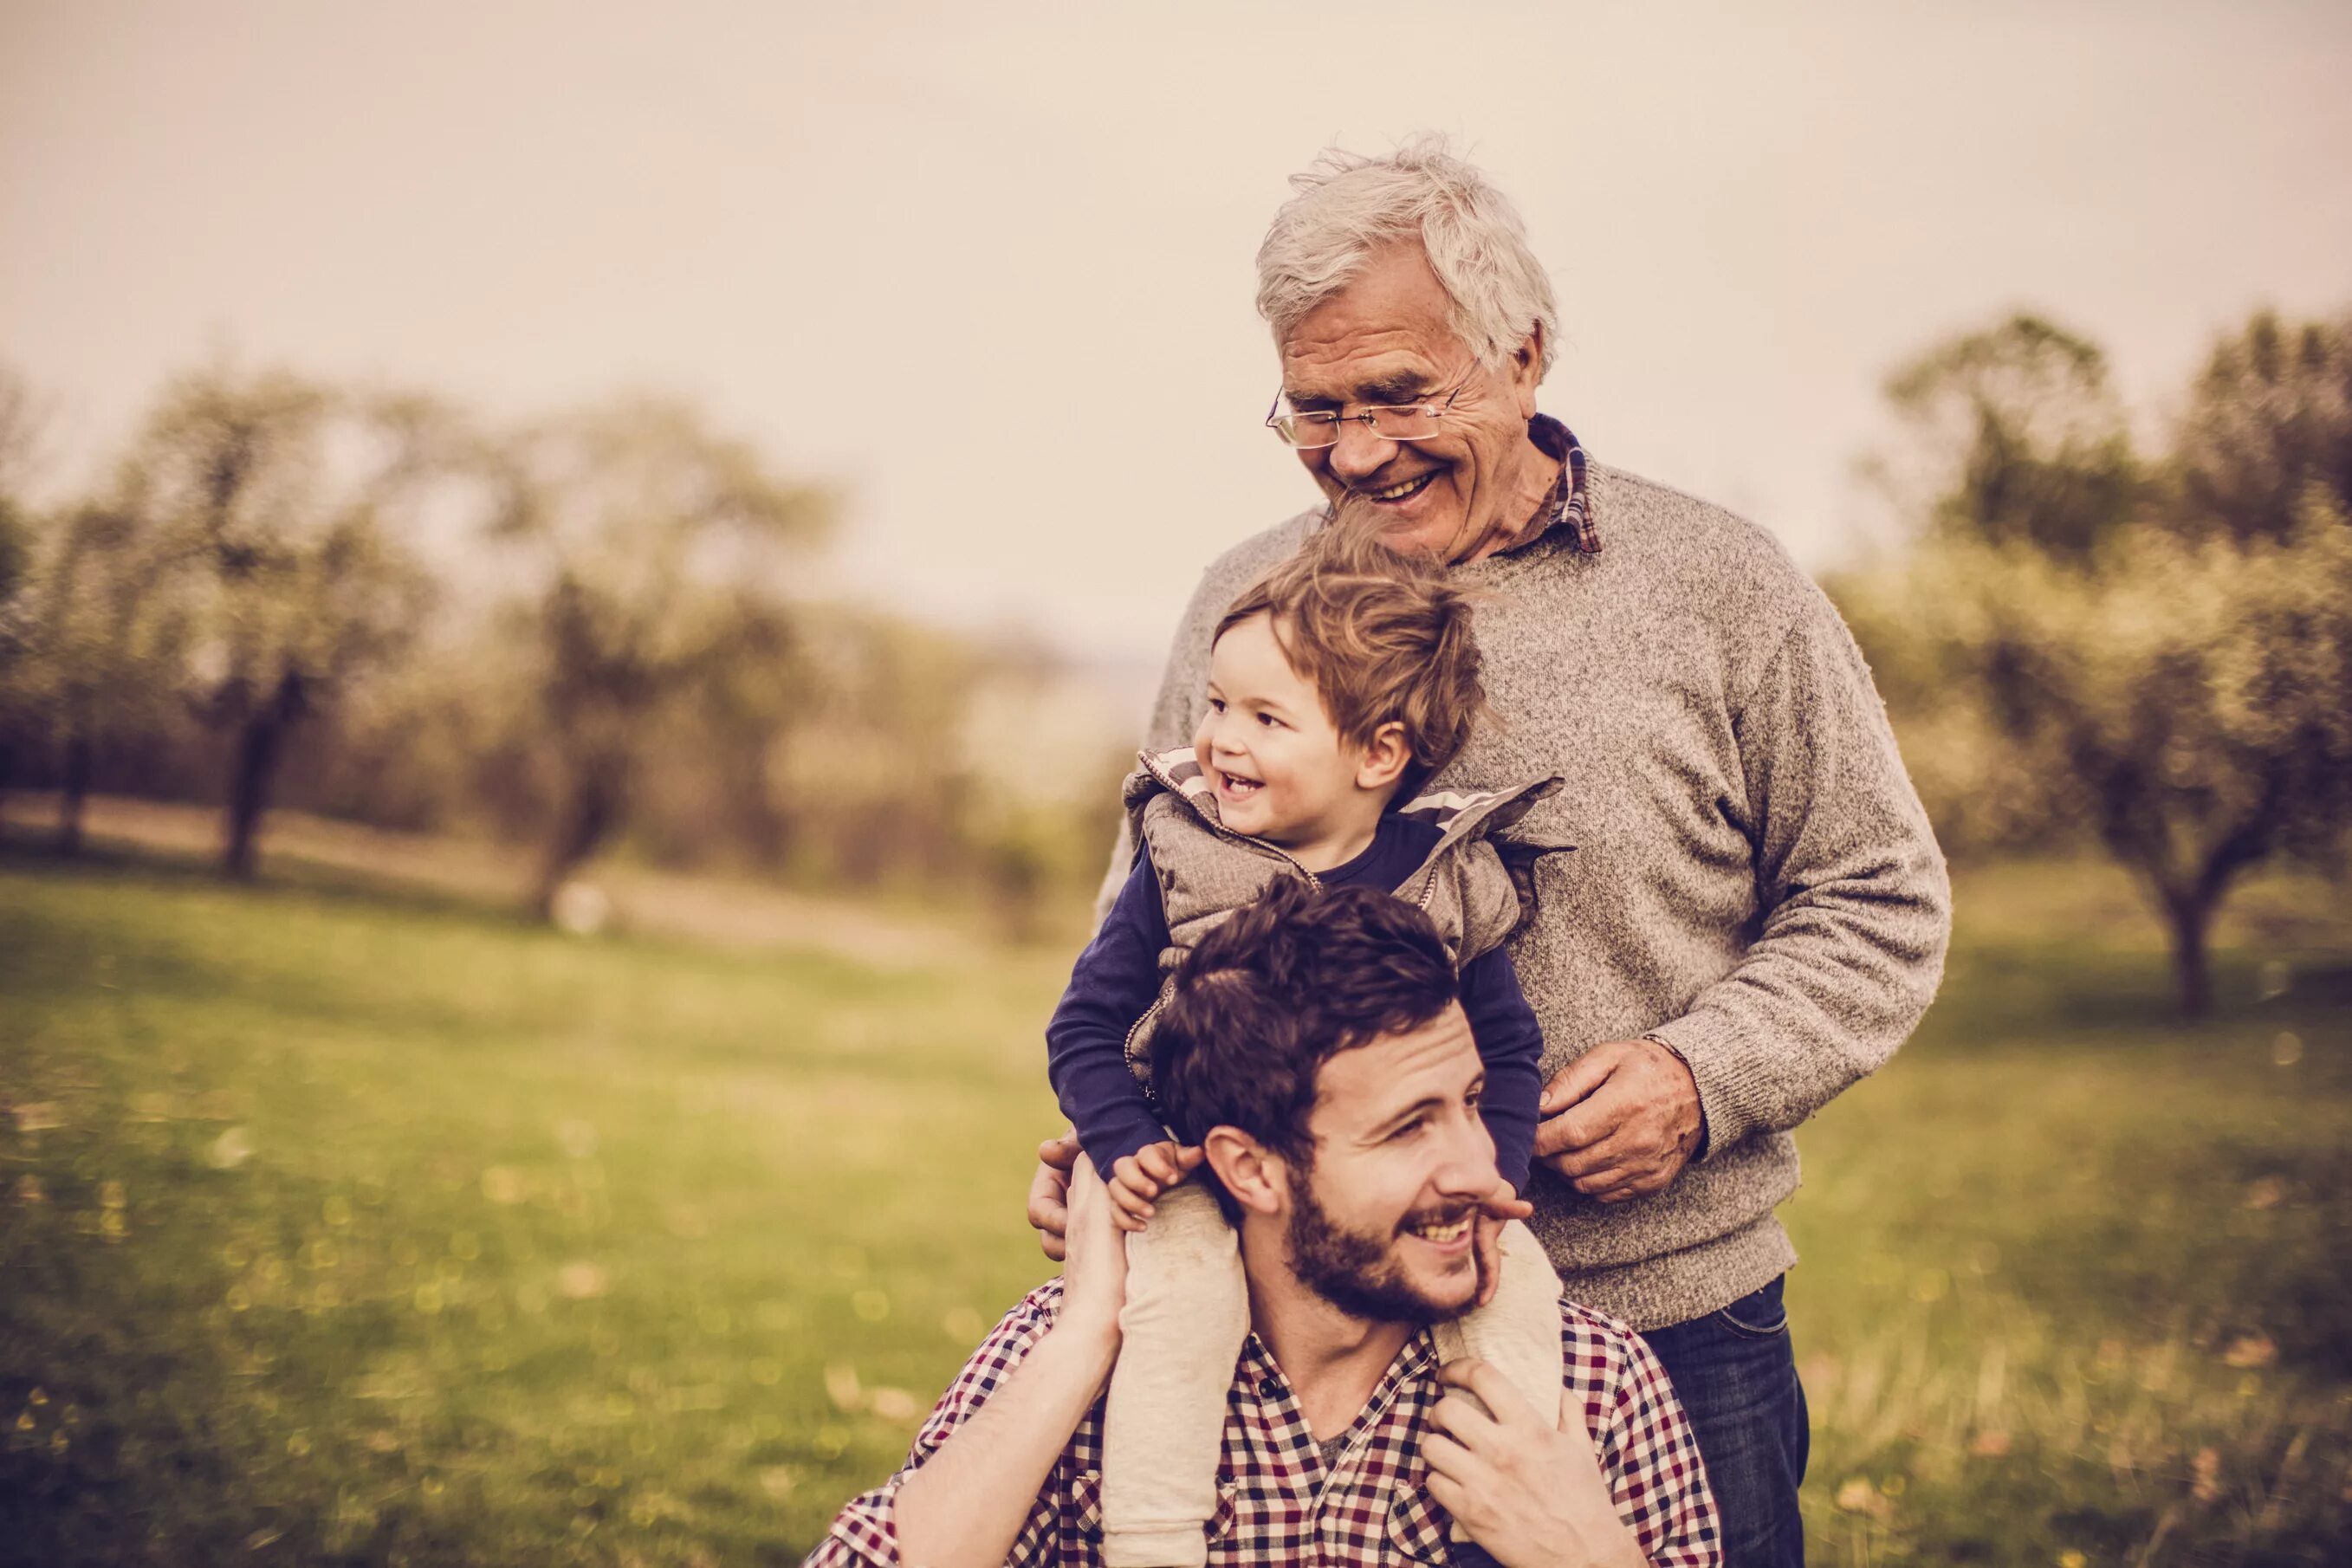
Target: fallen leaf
(2249,1351)
(580,1281)
(2205,1475)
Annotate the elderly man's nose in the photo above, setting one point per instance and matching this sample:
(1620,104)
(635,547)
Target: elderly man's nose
(1359,453)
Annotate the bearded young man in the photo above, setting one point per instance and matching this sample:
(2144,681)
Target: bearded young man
(1756,913)
(1314,1046)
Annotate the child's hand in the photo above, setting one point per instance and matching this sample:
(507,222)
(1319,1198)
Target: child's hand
(1136,1179)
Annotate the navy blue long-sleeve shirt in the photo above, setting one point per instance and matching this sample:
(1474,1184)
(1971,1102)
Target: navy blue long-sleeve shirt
(1117,978)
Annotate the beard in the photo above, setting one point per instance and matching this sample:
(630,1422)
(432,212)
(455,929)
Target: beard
(1359,1273)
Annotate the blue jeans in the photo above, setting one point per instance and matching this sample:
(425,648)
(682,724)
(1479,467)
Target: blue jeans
(1738,1381)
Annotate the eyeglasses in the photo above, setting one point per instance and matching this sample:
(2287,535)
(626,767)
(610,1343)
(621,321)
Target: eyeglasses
(1390,422)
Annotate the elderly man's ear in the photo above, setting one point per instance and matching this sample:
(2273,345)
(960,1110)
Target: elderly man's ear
(1526,371)
(1257,1177)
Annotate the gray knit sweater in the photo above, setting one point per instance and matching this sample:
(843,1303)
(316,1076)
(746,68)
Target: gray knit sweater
(1754,880)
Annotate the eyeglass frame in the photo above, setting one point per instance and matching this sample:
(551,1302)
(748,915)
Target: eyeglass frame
(1274,413)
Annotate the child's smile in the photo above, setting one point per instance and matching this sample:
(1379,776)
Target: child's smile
(1279,768)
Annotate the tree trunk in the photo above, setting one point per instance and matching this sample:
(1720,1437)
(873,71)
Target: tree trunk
(2189,917)
(73,791)
(590,814)
(260,743)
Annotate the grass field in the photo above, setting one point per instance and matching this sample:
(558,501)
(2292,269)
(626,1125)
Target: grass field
(344,1229)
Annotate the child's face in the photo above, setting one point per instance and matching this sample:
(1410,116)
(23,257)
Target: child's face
(1280,769)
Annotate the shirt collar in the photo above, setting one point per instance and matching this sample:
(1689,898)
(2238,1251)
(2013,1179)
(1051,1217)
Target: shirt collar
(1570,505)
(1260,1373)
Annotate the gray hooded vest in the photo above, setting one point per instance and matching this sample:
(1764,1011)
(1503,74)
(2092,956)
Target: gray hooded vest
(1474,888)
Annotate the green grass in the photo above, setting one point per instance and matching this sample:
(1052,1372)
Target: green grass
(337,1229)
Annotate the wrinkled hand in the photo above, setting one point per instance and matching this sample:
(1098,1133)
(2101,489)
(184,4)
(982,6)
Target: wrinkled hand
(1049,1193)
(1093,1276)
(1530,1494)
(1500,1207)
(1622,1120)
(1136,1179)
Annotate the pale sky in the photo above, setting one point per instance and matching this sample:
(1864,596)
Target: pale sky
(988,268)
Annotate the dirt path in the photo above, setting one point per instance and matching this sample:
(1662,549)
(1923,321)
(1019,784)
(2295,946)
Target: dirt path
(725,911)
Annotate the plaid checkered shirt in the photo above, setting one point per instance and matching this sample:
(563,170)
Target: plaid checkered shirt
(1280,1502)
(1570,503)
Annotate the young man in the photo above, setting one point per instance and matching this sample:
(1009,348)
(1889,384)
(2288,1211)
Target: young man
(1315,1048)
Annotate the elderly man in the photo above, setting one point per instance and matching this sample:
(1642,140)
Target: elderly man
(1755,914)
(1314,1048)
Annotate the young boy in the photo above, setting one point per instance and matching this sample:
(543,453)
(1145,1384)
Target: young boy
(1338,686)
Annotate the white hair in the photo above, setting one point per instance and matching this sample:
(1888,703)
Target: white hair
(1349,206)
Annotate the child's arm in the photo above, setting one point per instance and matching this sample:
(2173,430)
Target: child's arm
(1510,1042)
(1114,982)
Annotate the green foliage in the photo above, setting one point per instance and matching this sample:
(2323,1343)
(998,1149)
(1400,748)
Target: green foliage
(657,557)
(2016,438)
(594,633)
(342,1232)
(276,504)
(2268,422)
(2170,675)
(16,550)
(104,632)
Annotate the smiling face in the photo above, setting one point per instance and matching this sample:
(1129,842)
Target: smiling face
(1280,767)
(1385,339)
(1379,1226)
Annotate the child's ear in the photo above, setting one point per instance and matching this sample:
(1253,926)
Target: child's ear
(1253,1173)
(1385,757)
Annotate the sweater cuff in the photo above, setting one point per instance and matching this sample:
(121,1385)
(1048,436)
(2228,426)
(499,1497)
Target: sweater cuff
(1729,1105)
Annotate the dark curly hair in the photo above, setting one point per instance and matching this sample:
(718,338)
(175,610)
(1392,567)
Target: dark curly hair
(1278,989)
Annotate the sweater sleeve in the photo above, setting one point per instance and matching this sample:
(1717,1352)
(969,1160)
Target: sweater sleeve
(1855,903)
(1114,982)
(1510,1042)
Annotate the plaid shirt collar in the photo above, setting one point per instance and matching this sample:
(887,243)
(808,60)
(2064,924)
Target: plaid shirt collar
(1570,505)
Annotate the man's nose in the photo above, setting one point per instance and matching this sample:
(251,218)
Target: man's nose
(1359,453)
(1469,1168)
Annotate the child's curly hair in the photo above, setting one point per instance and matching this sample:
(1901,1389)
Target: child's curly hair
(1380,637)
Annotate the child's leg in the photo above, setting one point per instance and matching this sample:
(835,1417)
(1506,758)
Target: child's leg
(1518,1332)
(1163,1427)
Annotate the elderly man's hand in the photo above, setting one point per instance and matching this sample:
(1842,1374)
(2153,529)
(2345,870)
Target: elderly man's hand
(1622,1120)
(1049,1193)
(1526,1492)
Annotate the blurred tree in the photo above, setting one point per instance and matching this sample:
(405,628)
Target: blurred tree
(2014,436)
(2164,660)
(105,630)
(2269,417)
(20,423)
(657,557)
(2008,435)
(278,508)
